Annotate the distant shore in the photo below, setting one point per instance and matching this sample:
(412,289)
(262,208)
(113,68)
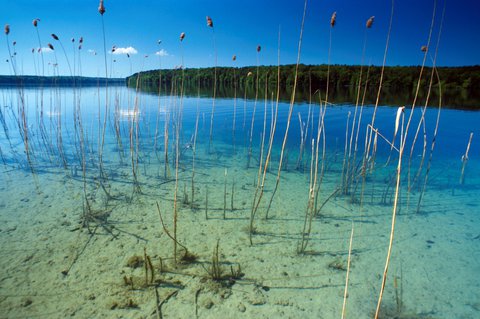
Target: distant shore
(32,80)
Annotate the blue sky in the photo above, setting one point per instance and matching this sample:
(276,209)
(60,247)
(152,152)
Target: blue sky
(239,26)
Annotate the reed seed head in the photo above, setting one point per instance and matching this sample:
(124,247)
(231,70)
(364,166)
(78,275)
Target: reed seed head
(424,48)
(400,110)
(209,22)
(259,48)
(370,22)
(35,22)
(73,40)
(333,19)
(159,41)
(249,73)
(234,57)
(50,46)
(54,36)
(101,8)
(182,36)
(81,40)
(14,43)
(7,29)
(128,55)
(33,50)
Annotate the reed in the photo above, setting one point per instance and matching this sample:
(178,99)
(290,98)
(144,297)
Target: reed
(177,158)
(343,181)
(311,195)
(290,110)
(210,25)
(232,195)
(345,293)
(254,109)
(432,147)
(206,202)
(225,194)
(173,237)
(133,137)
(315,181)
(159,100)
(194,148)
(234,58)
(403,138)
(421,122)
(302,139)
(465,160)
(367,158)
(307,124)
(260,183)
(103,176)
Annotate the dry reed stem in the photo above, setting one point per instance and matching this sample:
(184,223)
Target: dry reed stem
(345,293)
(422,119)
(465,160)
(438,114)
(194,148)
(432,147)
(290,110)
(272,135)
(260,177)
(368,140)
(403,138)
(254,109)
(210,24)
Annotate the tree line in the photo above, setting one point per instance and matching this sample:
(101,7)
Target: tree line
(460,86)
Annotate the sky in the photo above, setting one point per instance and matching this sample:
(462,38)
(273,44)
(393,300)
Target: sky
(137,27)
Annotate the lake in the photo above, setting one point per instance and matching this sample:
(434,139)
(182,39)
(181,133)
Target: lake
(89,175)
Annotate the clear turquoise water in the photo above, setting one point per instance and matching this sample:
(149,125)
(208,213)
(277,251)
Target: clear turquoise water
(435,261)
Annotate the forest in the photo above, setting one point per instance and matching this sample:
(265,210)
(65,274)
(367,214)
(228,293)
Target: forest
(460,86)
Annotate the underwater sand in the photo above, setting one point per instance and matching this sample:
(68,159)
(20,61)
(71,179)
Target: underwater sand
(436,259)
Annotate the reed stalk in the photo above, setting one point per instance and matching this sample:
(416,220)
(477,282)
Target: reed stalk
(234,58)
(273,127)
(103,176)
(432,147)
(254,109)
(194,148)
(315,182)
(345,293)
(465,160)
(210,24)
(422,118)
(369,134)
(225,194)
(232,195)
(343,182)
(290,110)
(403,138)
(177,158)
(311,195)
(260,177)
(206,202)
(159,102)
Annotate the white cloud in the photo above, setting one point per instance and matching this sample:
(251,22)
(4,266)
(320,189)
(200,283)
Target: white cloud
(46,50)
(162,52)
(129,50)
(92,52)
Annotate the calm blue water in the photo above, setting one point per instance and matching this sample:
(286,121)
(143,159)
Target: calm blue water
(72,220)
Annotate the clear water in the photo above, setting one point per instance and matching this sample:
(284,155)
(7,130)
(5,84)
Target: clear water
(69,229)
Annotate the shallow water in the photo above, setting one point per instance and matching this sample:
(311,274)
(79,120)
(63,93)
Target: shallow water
(70,225)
